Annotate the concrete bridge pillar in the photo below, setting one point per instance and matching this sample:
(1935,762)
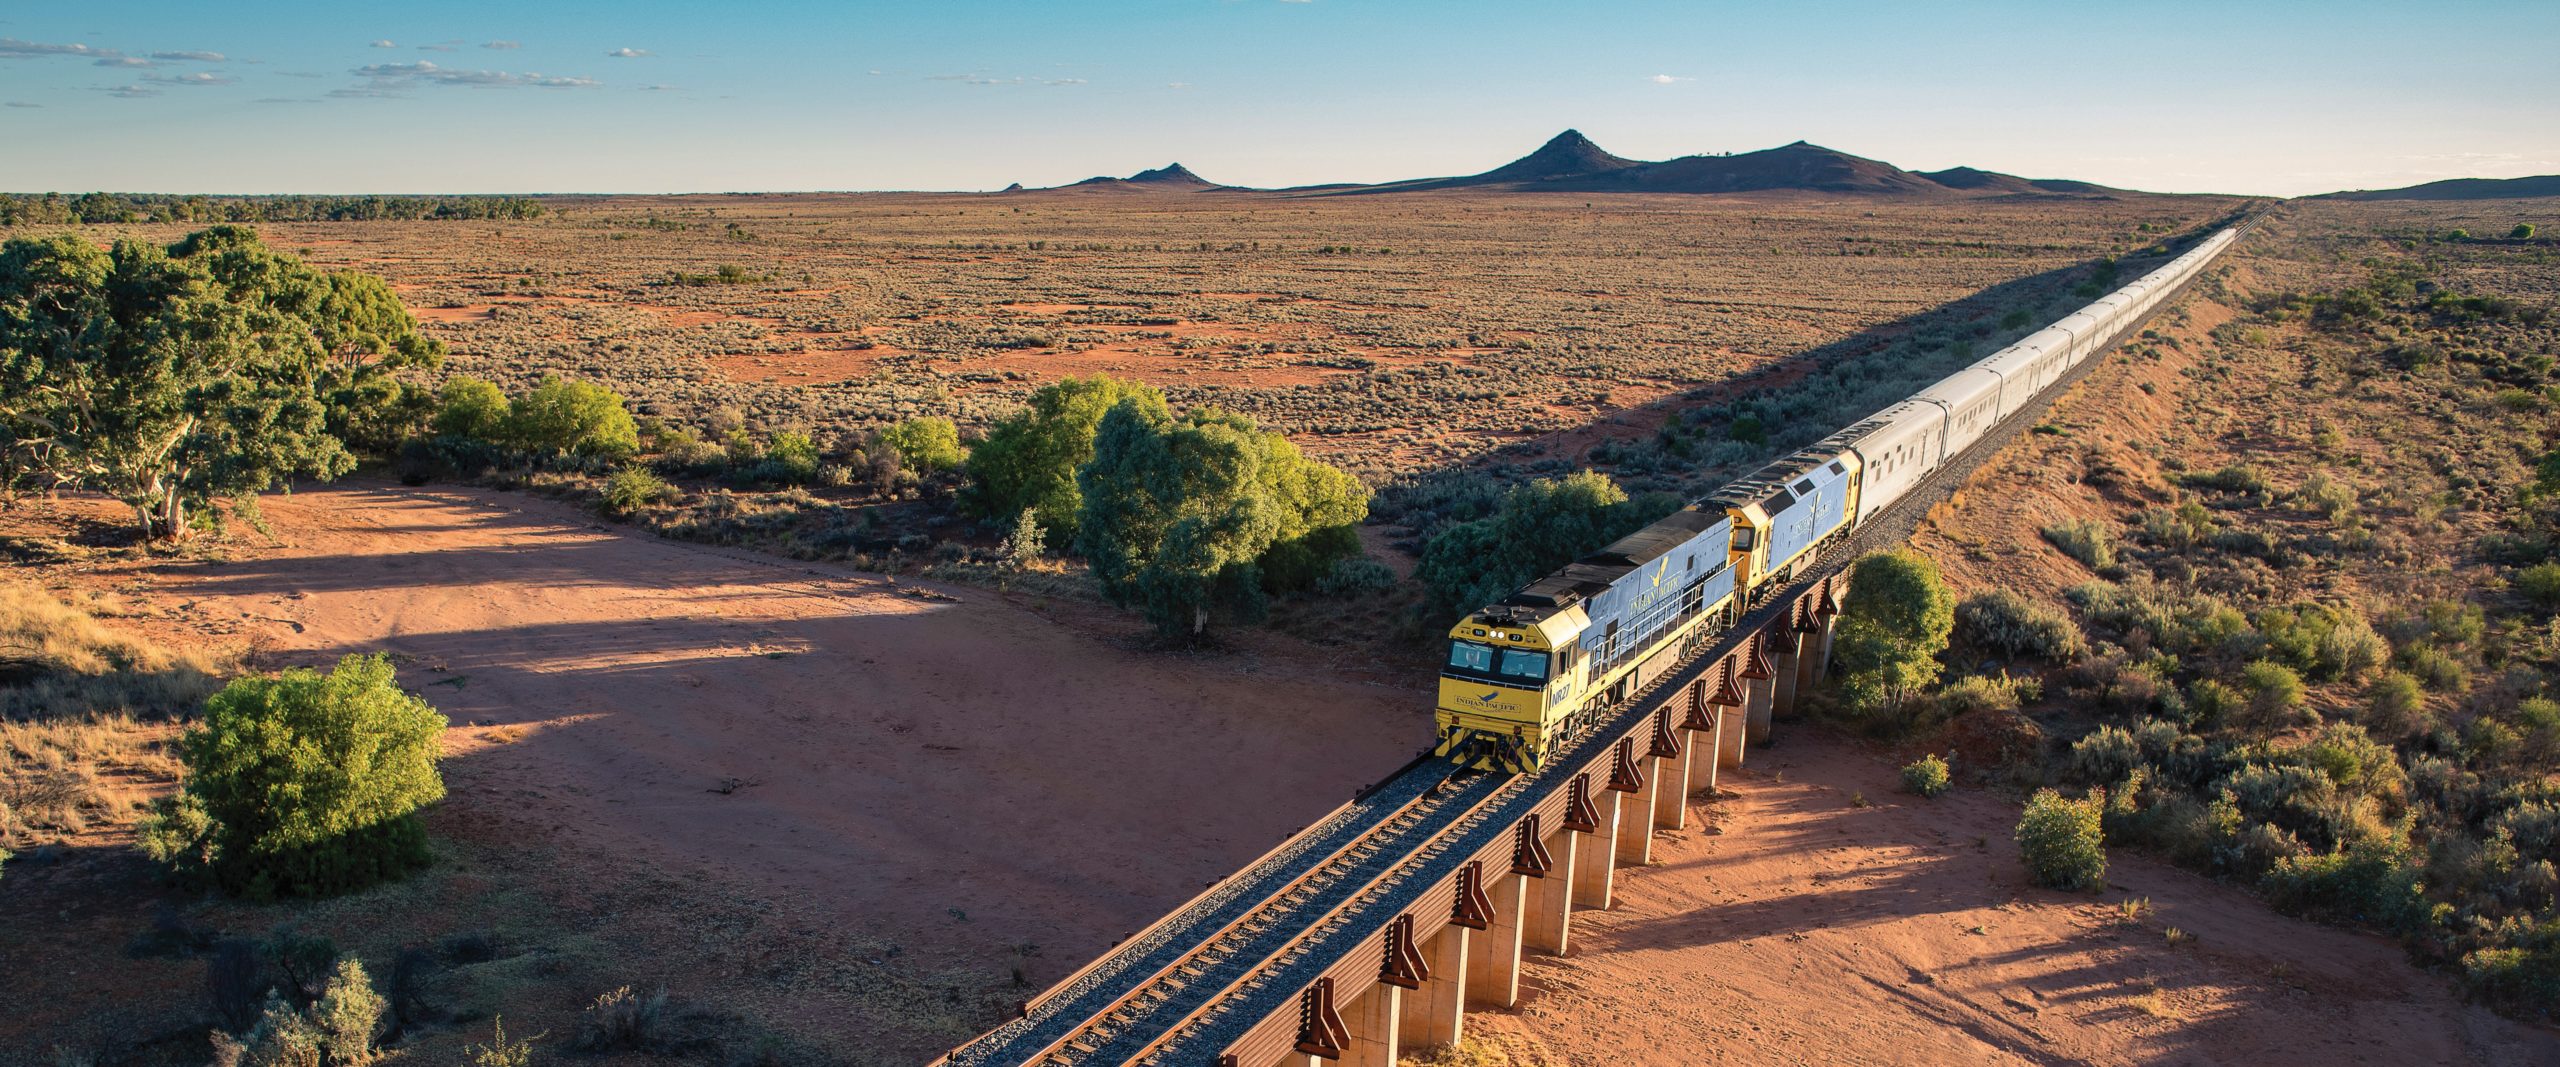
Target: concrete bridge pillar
(1373,1020)
(1826,621)
(1698,744)
(1786,646)
(1670,775)
(1598,857)
(1635,806)
(1551,897)
(1809,658)
(1758,688)
(1732,727)
(1494,959)
(1436,1014)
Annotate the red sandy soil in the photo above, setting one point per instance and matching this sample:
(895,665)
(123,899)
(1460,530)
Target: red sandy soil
(1789,924)
(887,757)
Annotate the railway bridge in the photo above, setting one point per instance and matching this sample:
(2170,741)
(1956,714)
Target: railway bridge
(1372,932)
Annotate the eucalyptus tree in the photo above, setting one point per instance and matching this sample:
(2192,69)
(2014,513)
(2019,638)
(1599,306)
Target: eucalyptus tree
(168,376)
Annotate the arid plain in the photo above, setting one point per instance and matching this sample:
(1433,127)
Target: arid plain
(838,811)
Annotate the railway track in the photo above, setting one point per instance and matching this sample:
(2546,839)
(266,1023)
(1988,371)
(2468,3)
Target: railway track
(1153,985)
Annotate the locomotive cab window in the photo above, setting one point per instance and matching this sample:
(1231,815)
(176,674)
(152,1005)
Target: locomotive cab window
(1470,656)
(1524,664)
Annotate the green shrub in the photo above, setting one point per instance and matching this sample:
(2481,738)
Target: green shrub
(2062,841)
(2540,584)
(572,418)
(2209,702)
(633,488)
(2395,707)
(2236,478)
(1023,546)
(1981,692)
(471,408)
(2523,232)
(2329,643)
(349,1015)
(2275,692)
(2521,978)
(2003,620)
(304,783)
(790,457)
(1926,776)
(1030,459)
(1534,529)
(2106,756)
(926,445)
(337,1029)
(2435,668)
(1893,624)
(1358,576)
(2090,541)
(1179,517)
(2370,883)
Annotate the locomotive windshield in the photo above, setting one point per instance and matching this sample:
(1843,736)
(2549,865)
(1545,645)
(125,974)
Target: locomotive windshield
(1470,656)
(1526,665)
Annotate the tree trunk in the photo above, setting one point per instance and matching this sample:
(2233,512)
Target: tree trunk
(173,516)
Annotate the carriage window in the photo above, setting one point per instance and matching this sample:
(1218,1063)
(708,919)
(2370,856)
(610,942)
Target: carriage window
(1470,656)
(1524,664)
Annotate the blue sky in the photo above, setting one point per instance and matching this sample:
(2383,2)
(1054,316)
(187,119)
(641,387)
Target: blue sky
(652,96)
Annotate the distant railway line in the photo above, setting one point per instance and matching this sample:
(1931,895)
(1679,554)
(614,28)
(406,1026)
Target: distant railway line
(1377,905)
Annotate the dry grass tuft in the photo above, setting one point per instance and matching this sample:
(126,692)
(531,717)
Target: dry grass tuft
(58,660)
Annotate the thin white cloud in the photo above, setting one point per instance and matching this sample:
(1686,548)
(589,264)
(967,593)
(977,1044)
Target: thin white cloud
(13,48)
(438,47)
(1066,81)
(662,88)
(384,78)
(630,53)
(202,77)
(130,92)
(1669,79)
(123,61)
(384,43)
(22,103)
(502,46)
(190,57)
(1177,86)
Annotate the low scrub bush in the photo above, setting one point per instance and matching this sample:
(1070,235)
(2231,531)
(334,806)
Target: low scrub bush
(633,488)
(2012,624)
(1926,776)
(2090,541)
(2275,693)
(2062,842)
(2371,883)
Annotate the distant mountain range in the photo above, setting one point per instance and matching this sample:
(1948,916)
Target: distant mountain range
(2460,189)
(1571,163)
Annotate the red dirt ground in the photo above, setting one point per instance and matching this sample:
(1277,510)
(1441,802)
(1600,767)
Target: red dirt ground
(889,758)
(1792,925)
